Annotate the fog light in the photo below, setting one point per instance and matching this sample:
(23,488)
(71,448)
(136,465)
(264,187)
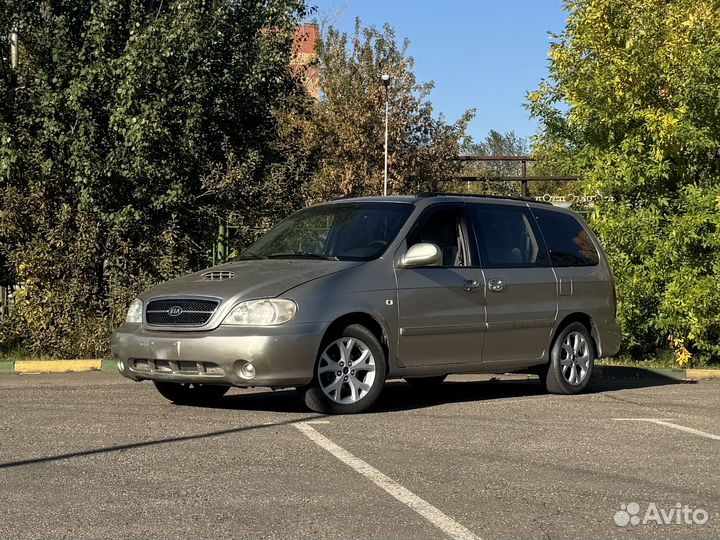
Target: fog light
(120,365)
(247,371)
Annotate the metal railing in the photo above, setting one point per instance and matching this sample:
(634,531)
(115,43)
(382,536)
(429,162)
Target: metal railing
(524,179)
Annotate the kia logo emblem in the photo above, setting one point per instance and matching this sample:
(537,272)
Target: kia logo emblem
(175,311)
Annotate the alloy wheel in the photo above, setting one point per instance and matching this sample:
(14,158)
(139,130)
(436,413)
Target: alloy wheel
(346,370)
(574,358)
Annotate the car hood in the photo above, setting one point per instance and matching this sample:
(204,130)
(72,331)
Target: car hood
(251,279)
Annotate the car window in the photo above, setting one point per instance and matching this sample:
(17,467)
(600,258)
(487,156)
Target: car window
(444,228)
(506,237)
(567,240)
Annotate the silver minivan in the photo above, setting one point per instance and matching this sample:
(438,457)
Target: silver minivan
(342,296)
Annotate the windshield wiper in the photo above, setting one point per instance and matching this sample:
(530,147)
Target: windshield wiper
(304,255)
(248,255)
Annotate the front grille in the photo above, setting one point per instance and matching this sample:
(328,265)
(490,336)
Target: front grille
(187,367)
(177,366)
(180,311)
(163,366)
(213,369)
(141,365)
(218,275)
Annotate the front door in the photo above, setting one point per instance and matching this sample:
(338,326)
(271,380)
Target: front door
(521,287)
(441,308)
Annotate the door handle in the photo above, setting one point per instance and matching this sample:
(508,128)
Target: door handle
(470,285)
(496,285)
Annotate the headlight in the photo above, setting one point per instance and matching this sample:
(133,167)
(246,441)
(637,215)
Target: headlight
(264,312)
(134,313)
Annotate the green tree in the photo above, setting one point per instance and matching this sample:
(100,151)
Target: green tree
(632,105)
(347,126)
(127,133)
(494,144)
(499,144)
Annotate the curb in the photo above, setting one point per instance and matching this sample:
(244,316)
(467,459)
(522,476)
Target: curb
(677,374)
(702,374)
(57,366)
(600,371)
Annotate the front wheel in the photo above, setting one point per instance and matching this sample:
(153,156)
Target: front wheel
(349,373)
(572,358)
(191,393)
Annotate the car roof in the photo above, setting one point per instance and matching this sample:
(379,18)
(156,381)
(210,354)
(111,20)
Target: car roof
(427,198)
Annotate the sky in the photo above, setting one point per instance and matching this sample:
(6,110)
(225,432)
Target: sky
(482,54)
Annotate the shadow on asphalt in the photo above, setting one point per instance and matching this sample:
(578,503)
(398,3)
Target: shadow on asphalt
(399,396)
(144,444)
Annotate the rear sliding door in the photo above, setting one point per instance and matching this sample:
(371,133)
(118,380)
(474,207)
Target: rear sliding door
(520,286)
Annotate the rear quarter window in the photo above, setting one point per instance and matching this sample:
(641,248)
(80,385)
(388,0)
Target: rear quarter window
(567,240)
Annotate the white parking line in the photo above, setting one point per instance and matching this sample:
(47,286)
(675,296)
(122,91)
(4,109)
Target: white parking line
(442,521)
(661,422)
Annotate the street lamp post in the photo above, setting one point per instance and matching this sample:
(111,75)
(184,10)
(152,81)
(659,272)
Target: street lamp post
(386,84)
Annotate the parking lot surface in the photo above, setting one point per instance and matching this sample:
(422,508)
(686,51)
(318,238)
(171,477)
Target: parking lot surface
(93,455)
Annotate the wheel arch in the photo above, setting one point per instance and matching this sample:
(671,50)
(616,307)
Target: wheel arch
(365,319)
(582,318)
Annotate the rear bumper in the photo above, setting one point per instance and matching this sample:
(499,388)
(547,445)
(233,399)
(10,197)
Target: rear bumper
(281,356)
(608,339)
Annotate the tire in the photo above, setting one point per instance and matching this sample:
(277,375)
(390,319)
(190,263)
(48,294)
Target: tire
(191,393)
(572,358)
(426,381)
(354,390)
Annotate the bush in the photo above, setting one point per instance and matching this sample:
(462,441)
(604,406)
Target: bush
(128,132)
(642,125)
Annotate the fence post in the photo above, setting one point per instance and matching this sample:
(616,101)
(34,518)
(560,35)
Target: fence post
(4,308)
(221,244)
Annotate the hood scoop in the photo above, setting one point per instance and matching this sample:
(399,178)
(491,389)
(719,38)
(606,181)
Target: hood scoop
(217,275)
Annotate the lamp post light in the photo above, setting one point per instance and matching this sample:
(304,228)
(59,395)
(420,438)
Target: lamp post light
(386,84)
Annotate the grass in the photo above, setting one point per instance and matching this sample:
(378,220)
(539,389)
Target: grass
(632,362)
(665,359)
(17,354)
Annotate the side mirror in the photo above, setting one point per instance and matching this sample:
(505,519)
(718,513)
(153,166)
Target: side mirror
(422,255)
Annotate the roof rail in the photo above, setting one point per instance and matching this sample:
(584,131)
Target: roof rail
(425,194)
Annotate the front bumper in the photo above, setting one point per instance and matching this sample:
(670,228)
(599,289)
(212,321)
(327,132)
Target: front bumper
(282,356)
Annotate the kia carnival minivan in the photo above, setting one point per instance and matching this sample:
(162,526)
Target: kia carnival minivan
(341,296)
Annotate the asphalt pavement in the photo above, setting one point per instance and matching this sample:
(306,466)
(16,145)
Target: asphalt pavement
(92,455)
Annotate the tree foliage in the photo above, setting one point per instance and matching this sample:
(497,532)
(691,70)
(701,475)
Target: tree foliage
(127,131)
(347,126)
(633,105)
(494,144)
(499,144)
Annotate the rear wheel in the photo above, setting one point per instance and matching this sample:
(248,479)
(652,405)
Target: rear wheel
(426,381)
(191,393)
(349,373)
(572,358)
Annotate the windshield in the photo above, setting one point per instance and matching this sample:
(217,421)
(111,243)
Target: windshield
(346,232)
